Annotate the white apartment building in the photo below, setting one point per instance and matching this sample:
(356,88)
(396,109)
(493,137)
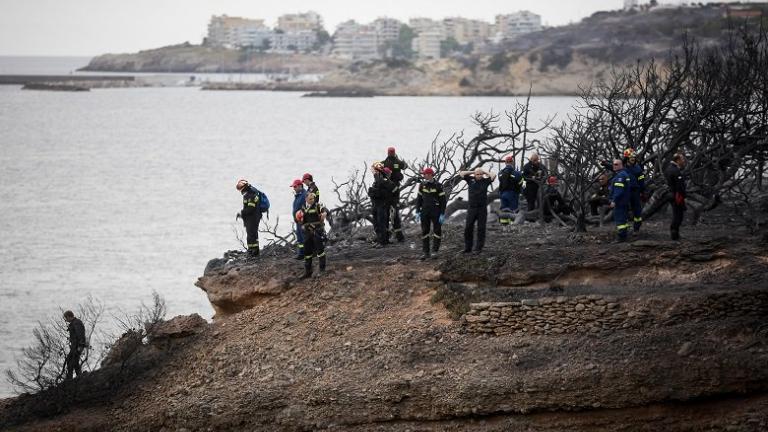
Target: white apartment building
(630,4)
(427,44)
(511,25)
(355,41)
(422,25)
(287,42)
(235,32)
(388,29)
(466,31)
(299,22)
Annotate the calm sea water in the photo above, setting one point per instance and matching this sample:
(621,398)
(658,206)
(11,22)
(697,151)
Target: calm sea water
(115,193)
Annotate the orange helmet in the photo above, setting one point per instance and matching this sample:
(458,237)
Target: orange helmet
(241,184)
(509,159)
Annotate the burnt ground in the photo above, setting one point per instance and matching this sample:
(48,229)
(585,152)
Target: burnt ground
(377,343)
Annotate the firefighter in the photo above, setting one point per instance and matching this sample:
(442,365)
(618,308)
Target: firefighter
(636,188)
(620,199)
(430,208)
(533,173)
(381,193)
(676,181)
(299,197)
(77,344)
(478,182)
(309,182)
(554,203)
(511,183)
(599,194)
(312,219)
(396,165)
(251,215)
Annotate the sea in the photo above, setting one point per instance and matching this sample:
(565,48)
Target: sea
(119,193)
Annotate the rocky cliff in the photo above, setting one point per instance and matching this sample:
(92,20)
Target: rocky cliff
(541,332)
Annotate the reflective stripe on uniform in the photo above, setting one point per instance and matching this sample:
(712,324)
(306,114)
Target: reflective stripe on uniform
(320,255)
(441,194)
(425,236)
(619,184)
(622,227)
(638,219)
(641,177)
(437,236)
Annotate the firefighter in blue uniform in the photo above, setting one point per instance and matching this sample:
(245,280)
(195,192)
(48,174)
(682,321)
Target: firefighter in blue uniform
(636,187)
(430,208)
(312,218)
(251,215)
(620,199)
(299,196)
(511,183)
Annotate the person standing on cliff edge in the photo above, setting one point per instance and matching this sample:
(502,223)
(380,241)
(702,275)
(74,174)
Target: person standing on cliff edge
(77,344)
(478,182)
(312,218)
(299,197)
(676,182)
(251,215)
(396,165)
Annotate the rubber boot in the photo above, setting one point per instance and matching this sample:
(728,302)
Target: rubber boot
(425,248)
(436,245)
(307,268)
(675,235)
(322,263)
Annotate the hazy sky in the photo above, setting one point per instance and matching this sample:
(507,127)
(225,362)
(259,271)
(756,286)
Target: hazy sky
(91,27)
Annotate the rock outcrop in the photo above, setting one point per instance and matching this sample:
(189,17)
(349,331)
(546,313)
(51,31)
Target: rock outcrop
(385,342)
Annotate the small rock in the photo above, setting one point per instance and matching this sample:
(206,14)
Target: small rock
(685,349)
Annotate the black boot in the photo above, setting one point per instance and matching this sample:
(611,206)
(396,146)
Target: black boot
(675,235)
(436,245)
(307,268)
(425,248)
(322,264)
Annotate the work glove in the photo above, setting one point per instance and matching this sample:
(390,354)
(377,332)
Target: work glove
(679,199)
(418,217)
(441,219)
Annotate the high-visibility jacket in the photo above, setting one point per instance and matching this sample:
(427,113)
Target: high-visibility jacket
(619,188)
(431,198)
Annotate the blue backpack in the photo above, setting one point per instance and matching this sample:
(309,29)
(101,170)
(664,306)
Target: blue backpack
(263,200)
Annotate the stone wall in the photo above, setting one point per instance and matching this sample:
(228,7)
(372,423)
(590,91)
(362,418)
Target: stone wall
(595,313)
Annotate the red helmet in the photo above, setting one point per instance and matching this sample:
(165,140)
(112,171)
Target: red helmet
(509,159)
(307,176)
(391,150)
(296,182)
(552,180)
(241,184)
(428,171)
(629,153)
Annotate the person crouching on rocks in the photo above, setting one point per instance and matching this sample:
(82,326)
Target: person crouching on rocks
(312,219)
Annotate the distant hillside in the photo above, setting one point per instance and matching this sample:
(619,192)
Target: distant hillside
(553,61)
(189,58)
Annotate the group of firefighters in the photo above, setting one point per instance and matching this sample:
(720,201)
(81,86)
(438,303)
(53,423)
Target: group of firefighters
(621,187)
